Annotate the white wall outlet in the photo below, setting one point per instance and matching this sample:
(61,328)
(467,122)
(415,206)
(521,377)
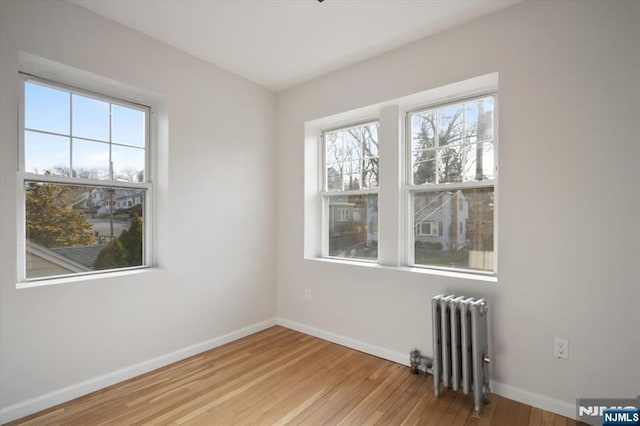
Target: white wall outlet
(307,295)
(561,348)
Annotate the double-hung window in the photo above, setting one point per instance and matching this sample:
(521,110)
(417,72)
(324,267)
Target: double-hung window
(350,192)
(451,185)
(84,172)
(424,174)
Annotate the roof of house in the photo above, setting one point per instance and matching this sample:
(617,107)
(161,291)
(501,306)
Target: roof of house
(57,258)
(84,255)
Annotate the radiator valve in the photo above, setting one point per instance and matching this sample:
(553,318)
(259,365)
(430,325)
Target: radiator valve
(419,362)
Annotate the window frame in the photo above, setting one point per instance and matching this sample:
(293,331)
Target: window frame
(23,178)
(325,194)
(410,189)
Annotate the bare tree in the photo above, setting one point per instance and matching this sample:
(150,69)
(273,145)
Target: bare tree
(450,137)
(367,142)
(353,156)
(129,174)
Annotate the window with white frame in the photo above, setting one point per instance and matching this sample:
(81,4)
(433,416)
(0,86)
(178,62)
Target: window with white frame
(428,229)
(452,182)
(84,171)
(350,192)
(343,214)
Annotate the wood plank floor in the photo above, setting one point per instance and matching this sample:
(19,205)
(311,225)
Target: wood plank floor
(280,376)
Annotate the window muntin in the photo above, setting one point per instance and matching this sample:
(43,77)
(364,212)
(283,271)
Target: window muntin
(84,168)
(350,200)
(452,184)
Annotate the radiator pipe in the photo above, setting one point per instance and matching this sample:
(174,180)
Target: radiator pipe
(420,363)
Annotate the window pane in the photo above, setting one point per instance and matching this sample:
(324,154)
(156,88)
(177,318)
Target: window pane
(46,109)
(128,125)
(352,157)
(90,159)
(423,130)
(362,140)
(128,163)
(424,167)
(479,119)
(347,175)
(463,220)
(351,181)
(74,229)
(46,154)
(353,226)
(334,147)
(90,118)
(334,177)
(450,125)
(485,167)
(463,163)
(370,173)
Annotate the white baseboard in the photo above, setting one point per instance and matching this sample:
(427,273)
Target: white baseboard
(535,399)
(68,393)
(378,351)
(507,391)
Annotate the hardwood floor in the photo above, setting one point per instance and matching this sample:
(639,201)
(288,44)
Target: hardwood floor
(280,376)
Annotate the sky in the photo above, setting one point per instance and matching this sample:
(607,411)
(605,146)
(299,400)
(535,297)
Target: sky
(71,130)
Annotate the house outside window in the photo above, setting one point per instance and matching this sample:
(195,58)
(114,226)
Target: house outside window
(83,161)
(350,192)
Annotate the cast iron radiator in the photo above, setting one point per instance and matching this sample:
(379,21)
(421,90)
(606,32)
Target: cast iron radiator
(460,347)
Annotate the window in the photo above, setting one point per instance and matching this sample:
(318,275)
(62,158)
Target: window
(428,229)
(343,214)
(84,171)
(414,189)
(350,192)
(452,183)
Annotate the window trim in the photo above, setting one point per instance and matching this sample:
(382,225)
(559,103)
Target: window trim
(410,189)
(24,177)
(324,193)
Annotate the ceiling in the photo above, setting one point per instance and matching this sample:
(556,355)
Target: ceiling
(280,43)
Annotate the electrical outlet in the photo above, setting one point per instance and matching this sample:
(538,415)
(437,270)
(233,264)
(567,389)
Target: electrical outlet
(307,295)
(561,348)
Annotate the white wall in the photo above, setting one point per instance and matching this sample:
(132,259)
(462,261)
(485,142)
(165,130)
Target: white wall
(216,210)
(569,202)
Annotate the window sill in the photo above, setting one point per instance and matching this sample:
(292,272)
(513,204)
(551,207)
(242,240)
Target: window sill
(427,271)
(83,278)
